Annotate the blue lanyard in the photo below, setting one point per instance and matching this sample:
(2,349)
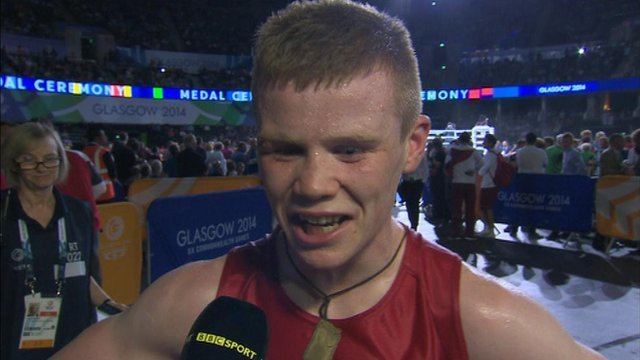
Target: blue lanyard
(58,271)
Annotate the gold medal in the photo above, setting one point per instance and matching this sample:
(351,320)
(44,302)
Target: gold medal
(324,342)
(326,337)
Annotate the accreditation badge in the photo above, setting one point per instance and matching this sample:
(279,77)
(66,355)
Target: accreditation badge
(41,315)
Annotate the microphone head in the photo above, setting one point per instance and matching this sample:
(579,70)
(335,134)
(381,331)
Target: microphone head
(227,328)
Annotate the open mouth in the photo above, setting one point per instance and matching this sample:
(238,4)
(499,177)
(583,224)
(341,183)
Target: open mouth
(319,224)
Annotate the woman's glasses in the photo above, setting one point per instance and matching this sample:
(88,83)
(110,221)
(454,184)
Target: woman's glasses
(32,165)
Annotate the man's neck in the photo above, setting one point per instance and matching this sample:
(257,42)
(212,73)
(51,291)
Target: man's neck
(368,261)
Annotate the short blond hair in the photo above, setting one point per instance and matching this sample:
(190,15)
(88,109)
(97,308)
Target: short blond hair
(326,43)
(20,141)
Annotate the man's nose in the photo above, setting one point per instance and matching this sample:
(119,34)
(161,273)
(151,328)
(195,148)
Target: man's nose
(316,178)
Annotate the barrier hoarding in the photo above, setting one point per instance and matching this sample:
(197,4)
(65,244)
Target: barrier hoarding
(120,250)
(618,206)
(183,229)
(143,192)
(559,202)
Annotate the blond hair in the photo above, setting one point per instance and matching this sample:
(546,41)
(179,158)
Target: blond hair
(21,141)
(326,43)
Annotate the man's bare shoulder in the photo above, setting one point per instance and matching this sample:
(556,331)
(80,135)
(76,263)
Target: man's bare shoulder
(170,305)
(156,326)
(500,322)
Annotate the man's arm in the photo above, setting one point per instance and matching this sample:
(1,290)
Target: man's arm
(156,326)
(501,323)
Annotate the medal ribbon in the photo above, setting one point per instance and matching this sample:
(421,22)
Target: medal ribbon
(326,337)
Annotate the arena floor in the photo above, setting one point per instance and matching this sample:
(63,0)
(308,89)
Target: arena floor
(604,316)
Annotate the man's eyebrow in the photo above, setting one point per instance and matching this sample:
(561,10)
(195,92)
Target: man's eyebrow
(358,139)
(273,140)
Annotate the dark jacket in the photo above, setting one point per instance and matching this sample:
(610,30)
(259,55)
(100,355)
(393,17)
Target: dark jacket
(77,312)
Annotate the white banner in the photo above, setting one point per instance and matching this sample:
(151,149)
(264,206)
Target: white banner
(137,111)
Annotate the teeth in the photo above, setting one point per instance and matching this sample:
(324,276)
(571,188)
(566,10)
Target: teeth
(328,229)
(321,220)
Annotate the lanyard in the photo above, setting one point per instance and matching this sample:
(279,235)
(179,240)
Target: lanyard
(58,269)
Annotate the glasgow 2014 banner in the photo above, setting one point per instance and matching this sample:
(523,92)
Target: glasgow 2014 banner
(559,202)
(183,229)
(18,106)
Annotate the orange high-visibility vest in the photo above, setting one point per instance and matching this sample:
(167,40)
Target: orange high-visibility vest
(96,154)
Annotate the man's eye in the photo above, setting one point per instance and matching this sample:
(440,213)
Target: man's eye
(350,153)
(281,152)
(288,150)
(350,150)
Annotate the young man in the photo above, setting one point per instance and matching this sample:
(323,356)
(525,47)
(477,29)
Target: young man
(531,159)
(337,98)
(488,188)
(463,162)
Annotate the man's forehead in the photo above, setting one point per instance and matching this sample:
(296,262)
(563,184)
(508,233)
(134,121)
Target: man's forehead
(349,88)
(338,137)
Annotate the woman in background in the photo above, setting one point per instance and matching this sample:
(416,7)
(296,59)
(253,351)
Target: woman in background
(48,243)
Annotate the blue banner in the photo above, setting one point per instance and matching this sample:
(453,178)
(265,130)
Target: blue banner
(183,229)
(558,202)
(70,87)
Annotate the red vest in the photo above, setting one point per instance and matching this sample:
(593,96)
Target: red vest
(96,153)
(418,318)
(3,181)
(78,184)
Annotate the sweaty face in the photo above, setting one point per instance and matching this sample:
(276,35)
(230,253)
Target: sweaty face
(330,162)
(40,177)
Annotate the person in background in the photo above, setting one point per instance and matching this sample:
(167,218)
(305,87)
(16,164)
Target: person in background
(612,157)
(190,163)
(530,159)
(125,159)
(252,157)
(602,143)
(628,145)
(463,162)
(98,151)
(227,151)
(156,168)
(411,186)
(585,136)
(170,164)
(48,256)
(145,170)
(216,156)
(488,189)
(240,169)
(572,163)
(632,163)
(240,155)
(596,144)
(437,184)
(554,154)
(200,147)
(589,157)
(231,168)
(85,183)
(216,169)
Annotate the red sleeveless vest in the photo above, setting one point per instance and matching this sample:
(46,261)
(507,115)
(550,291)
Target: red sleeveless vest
(418,318)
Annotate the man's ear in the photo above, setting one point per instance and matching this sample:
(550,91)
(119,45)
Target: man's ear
(416,141)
